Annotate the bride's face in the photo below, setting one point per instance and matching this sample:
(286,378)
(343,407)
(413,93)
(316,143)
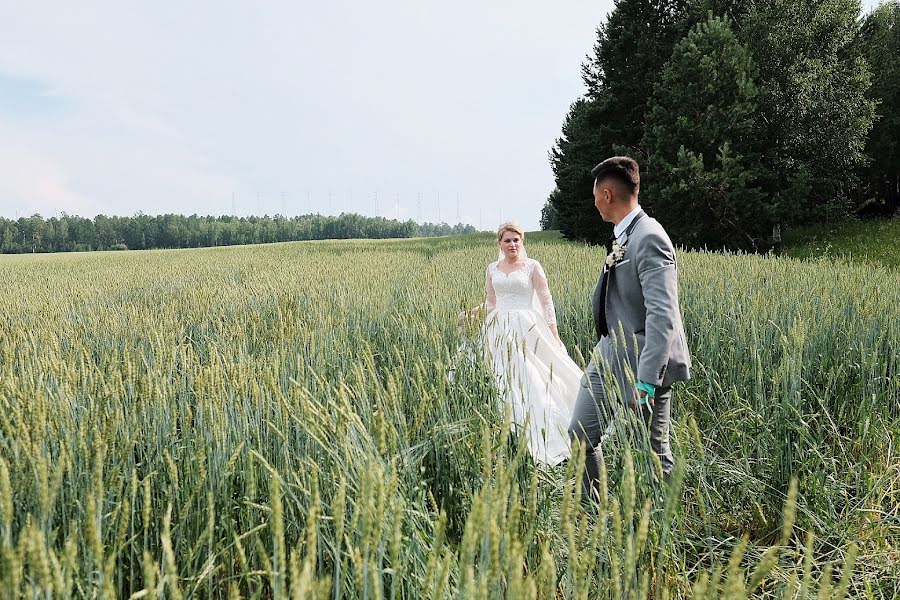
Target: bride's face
(511,245)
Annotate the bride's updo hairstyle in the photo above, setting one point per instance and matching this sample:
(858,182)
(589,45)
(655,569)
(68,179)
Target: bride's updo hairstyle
(510,226)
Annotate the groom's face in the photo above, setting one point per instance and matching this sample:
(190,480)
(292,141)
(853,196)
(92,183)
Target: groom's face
(603,198)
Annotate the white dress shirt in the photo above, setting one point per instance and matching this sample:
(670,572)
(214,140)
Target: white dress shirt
(619,230)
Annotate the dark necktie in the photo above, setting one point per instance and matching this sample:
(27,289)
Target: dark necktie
(602,326)
(600,322)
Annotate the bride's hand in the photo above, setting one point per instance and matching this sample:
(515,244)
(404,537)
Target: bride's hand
(471,318)
(555,332)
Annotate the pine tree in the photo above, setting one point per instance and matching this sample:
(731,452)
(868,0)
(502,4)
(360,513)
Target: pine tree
(549,218)
(880,42)
(584,136)
(631,49)
(704,177)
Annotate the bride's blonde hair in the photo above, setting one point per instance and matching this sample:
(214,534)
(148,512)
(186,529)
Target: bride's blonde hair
(510,226)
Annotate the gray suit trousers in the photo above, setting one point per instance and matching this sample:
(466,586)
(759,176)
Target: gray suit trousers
(594,411)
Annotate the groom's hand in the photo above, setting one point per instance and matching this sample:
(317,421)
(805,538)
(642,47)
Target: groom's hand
(639,399)
(644,393)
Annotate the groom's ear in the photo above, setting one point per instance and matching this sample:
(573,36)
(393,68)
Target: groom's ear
(614,189)
(603,186)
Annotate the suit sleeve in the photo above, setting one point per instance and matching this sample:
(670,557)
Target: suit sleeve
(659,286)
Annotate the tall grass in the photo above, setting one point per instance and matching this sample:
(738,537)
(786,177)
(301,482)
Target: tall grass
(278,422)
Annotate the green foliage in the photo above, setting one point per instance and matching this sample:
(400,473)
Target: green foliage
(811,120)
(265,422)
(549,215)
(880,44)
(584,138)
(813,113)
(631,48)
(141,232)
(774,122)
(704,166)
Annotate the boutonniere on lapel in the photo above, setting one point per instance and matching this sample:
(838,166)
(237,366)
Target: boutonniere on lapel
(615,255)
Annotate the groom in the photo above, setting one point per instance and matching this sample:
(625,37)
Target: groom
(638,322)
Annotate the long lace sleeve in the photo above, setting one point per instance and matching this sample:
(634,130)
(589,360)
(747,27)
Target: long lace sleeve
(490,295)
(542,289)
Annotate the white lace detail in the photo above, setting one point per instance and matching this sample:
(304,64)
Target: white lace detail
(523,289)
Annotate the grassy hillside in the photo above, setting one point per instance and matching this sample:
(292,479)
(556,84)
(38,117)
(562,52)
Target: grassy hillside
(270,420)
(876,242)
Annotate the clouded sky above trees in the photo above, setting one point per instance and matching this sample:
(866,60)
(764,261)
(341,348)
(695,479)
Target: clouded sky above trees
(295,108)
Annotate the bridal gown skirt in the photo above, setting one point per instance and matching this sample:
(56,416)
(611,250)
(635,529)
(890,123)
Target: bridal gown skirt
(536,378)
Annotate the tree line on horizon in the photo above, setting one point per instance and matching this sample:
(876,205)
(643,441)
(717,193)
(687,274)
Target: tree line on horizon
(746,118)
(143,232)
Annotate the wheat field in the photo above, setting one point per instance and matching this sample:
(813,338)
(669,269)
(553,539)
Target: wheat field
(302,420)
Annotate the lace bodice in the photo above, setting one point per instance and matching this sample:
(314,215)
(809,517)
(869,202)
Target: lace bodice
(517,290)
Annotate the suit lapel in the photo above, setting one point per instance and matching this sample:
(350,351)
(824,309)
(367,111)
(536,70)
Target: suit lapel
(637,218)
(606,278)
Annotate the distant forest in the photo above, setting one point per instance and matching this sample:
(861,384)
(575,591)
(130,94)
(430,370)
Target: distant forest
(142,232)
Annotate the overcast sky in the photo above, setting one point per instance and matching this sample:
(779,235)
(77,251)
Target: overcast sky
(214,107)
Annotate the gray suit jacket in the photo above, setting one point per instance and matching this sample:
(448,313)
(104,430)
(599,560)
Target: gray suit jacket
(642,305)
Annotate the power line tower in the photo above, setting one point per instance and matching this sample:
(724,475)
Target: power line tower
(397,198)
(419,204)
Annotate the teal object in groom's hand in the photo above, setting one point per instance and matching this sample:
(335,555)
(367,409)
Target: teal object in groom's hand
(649,388)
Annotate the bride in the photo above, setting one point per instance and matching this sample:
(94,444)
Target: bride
(535,375)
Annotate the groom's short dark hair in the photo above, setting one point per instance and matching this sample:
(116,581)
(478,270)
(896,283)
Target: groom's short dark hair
(623,169)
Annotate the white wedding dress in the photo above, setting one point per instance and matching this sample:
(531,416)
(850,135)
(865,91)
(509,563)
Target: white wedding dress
(535,375)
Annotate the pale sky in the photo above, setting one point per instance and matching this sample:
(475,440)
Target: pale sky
(277,107)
